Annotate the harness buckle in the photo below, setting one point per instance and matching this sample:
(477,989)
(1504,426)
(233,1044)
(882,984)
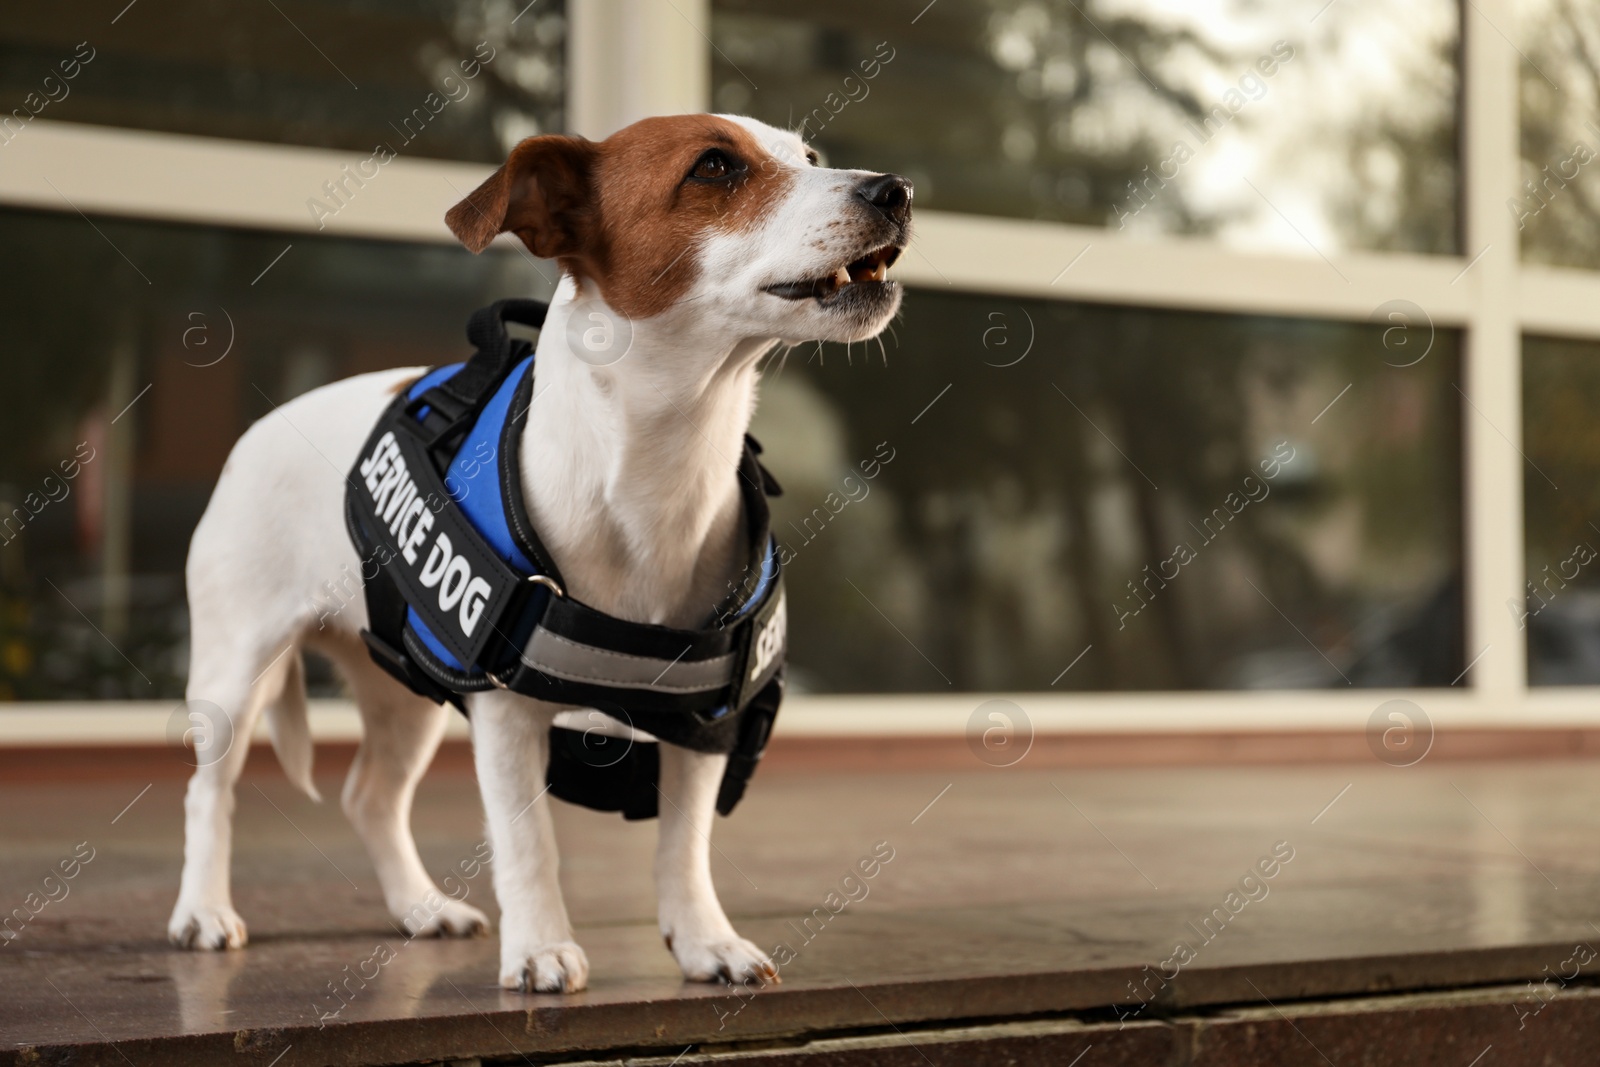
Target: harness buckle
(436,419)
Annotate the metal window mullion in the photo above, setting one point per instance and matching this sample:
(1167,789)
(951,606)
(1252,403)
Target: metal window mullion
(1008,257)
(206,181)
(627,59)
(1492,370)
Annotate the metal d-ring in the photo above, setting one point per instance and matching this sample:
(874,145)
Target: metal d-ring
(532,579)
(548,582)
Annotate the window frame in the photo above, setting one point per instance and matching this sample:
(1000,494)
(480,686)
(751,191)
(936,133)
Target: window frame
(627,58)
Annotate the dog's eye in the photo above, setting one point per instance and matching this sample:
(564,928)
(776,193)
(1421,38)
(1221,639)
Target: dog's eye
(813,158)
(713,166)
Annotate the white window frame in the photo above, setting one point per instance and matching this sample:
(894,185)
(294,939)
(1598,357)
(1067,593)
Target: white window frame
(628,58)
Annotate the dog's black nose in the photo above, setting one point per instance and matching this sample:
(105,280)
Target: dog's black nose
(889,193)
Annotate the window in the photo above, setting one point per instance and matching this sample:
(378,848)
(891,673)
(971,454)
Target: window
(436,78)
(1202,501)
(136,393)
(1560,607)
(1352,183)
(1556,206)
(1261,126)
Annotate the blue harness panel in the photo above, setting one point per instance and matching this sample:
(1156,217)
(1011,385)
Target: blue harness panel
(474,484)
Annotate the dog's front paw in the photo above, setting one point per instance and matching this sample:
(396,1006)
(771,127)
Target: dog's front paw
(206,928)
(731,959)
(452,918)
(559,967)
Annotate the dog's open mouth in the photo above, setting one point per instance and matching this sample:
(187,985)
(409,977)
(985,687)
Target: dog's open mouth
(870,269)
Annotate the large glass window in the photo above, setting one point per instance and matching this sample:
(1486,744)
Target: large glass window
(1557,206)
(135,356)
(1560,608)
(1210,501)
(1201,501)
(1301,126)
(429,78)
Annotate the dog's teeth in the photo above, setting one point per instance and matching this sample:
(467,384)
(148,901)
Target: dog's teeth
(841,276)
(878,272)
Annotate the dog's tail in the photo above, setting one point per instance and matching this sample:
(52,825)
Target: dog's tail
(287,723)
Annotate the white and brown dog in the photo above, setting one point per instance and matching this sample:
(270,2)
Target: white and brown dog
(717,238)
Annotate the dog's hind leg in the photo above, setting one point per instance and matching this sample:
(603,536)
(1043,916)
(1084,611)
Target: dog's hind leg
(400,732)
(693,924)
(269,564)
(228,686)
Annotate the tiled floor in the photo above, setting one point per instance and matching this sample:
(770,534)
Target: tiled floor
(1011,893)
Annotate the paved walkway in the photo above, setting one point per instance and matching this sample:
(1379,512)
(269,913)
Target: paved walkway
(1073,899)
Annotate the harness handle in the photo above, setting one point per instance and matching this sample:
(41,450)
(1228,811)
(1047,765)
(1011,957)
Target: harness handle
(455,403)
(486,329)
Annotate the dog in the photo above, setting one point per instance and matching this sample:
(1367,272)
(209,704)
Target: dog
(716,239)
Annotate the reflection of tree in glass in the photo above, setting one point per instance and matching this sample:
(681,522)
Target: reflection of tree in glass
(1401,186)
(1137,114)
(525,83)
(344,74)
(75,298)
(1076,100)
(1560,607)
(1015,525)
(1560,92)
(1561,388)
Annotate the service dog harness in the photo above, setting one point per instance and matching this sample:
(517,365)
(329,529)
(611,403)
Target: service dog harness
(462,596)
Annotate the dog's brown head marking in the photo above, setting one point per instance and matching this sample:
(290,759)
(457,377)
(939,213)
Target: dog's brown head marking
(669,206)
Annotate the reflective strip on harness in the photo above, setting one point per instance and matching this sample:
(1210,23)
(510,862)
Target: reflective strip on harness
(742,670)
(559,657)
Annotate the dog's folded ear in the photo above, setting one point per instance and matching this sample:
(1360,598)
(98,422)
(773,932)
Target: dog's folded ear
(541,194)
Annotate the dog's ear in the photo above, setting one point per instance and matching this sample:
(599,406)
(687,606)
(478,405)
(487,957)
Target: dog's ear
(541,194)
